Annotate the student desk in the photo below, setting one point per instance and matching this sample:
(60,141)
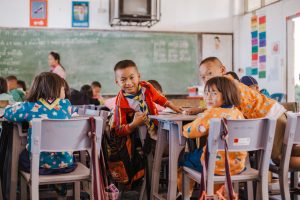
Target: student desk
(169,132)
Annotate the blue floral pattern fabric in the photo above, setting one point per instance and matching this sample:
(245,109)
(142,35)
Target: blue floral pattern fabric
(47,109)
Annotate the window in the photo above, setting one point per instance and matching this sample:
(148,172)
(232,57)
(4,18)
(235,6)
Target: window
(252,5)
(267,2)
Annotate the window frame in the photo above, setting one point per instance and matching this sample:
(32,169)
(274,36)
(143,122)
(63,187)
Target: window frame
(262,5)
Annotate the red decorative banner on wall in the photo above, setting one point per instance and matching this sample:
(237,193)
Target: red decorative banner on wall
(39,13)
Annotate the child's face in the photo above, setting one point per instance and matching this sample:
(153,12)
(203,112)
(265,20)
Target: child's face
(209,70)
(12,84)
(96,90)
(128,79)
(62,93)
(213,97)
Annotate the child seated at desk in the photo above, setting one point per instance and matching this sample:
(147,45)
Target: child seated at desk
(45,100)
(12,86)
(252,83)
(96,87)
(253,105)
(159,89)
(5,99)
(222,98)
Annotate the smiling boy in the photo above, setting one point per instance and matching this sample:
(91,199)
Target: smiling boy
(136,101)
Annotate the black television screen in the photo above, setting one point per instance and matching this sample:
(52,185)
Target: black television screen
(135,8)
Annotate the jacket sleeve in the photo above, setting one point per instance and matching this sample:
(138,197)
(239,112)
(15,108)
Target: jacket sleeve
(157,97)
(199,127)
(120,123)
(19,112)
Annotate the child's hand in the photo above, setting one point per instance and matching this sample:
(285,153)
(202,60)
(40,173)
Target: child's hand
(173,107)
(193,111)
(139,119)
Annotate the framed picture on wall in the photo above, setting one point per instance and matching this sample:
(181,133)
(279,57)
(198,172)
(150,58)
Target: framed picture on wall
(220,46)
(80,14)
(39,13)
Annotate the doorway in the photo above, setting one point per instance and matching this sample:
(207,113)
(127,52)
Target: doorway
(293,58)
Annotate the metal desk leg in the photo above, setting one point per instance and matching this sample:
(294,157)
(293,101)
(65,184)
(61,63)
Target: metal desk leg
(174,150)
(161,143)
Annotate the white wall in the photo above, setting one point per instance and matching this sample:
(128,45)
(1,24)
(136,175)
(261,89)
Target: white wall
(276,31)
(177,15)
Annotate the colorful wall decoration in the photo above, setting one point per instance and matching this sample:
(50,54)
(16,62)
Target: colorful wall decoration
(258,45)
(254,44)
(262,47)
(39,13)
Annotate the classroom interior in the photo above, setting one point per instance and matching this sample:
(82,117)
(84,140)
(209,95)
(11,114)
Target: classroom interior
(167,40)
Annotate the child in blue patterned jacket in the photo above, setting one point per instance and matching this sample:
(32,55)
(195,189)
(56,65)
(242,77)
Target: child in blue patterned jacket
(46,99)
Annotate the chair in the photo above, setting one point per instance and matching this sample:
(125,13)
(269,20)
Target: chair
(91,110)
(59,136)
(291,137)
(277,96)
(254,135)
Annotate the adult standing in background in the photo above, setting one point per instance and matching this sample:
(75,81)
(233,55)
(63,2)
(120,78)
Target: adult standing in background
(54,63)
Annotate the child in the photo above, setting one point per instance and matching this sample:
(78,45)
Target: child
(222,98)
(45,100)
(158,87)
(21,86)
(5,98)
(54,63)
(12,85)
(87,96)
(250,82)
(96,87)
(234,75)
(136,101)
(253,104)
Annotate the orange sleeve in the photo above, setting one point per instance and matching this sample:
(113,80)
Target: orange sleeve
(157,97)
(199,127)
(119,123)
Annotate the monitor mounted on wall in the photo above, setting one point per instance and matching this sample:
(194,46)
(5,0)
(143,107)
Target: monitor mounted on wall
(132,10)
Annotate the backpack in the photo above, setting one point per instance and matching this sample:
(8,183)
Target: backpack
(124,157)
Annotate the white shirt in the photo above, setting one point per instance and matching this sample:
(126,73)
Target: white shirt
(276,111)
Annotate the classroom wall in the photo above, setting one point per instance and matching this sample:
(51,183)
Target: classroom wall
(177,15)
(276,32)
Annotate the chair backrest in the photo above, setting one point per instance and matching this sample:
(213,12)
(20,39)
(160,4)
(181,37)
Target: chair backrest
(277,96)
(63,135)
(244,135)
(92,112)
(292,130)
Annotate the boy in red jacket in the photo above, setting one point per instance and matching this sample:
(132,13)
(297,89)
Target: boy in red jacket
(135,101)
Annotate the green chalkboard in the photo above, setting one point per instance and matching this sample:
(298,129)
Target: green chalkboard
(88,55)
